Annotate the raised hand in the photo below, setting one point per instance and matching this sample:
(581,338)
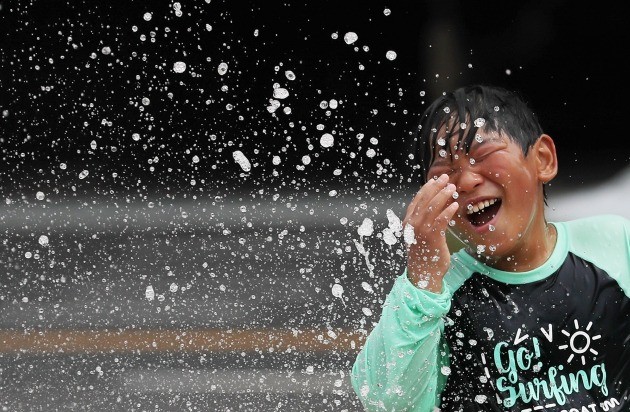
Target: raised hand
(428,257)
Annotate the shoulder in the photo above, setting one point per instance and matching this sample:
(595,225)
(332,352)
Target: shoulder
(602,240)
(605,227)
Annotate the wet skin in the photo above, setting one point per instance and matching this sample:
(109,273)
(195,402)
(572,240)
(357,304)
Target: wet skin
(514,236)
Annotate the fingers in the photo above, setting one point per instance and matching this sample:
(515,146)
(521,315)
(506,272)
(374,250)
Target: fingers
(446,216)
(441,200)
(428,191)
(430,201)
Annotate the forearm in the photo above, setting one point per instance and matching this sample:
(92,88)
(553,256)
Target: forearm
(399,365)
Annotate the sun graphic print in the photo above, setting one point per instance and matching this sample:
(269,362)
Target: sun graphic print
(580,342)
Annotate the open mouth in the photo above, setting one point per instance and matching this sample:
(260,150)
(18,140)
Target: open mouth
(483,212)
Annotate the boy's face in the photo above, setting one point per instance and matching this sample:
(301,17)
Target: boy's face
(499,193)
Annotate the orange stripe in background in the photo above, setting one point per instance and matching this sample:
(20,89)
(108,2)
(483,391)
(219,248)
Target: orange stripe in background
(155,341)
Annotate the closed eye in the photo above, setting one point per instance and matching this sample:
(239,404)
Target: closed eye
(483,152)
(435,172)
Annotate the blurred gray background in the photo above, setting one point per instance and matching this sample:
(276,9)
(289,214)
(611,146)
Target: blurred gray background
(176,235)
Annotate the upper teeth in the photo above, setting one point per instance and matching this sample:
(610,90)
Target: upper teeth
(480,206)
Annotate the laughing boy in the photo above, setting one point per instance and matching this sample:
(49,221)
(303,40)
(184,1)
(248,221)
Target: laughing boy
(529,315)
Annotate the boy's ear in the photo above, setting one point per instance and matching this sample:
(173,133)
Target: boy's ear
(546,158)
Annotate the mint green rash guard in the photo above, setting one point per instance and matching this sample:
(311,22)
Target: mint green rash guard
(553,339)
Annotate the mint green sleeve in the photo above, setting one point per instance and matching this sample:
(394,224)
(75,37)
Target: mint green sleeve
(399,366)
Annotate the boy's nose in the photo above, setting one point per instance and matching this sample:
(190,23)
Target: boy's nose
(466,179)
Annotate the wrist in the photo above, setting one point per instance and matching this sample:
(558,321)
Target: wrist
(425,279)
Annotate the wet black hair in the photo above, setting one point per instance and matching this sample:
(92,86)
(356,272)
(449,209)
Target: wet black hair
(463,111)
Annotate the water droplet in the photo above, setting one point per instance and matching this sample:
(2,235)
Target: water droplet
(455,195)
(179,67)
(409,234)
(40,195)
(289,75)
(337,290)
(447,110)
(147,16)
(242,160)
(489,332)
(480,398)
(364,391)
(391,55)
(442,153)
(472,161)
(479,122)
(393,221)
(222,69)
(387,12)
(106,50)
(491,228)
(135,136)
(276,160)
(327,140)
(451,222)
(445,370)
(146,101)
(350,37)
(83,174)
(366,228)
(441,141)
(478,138)
(195,159)
(273,105)
(481,249)
(149,293)
(208,27)
(306,159)
(280,93)
(43,240)
(389,237)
